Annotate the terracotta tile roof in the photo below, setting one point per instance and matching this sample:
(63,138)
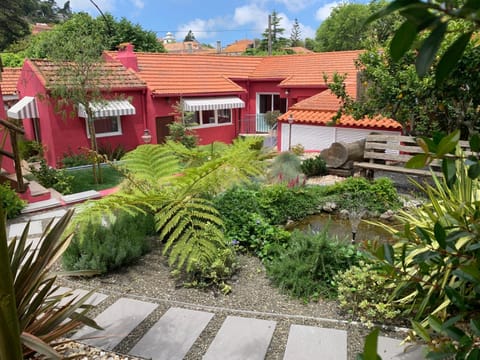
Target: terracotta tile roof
(238,46)
(172,74)
(177,74)
(187,47)
(321,108)
(307,70)
(299,50)
(114,75)
(9,81)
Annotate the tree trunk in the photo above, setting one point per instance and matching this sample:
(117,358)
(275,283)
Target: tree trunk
(340,153)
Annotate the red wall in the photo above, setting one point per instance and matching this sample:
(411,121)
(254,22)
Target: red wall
(61,133)
(6,163)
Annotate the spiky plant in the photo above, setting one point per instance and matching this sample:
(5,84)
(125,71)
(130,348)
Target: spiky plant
(185,219)
(39,314)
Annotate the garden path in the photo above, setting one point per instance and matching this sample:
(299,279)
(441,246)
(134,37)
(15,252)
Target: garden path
(171,334)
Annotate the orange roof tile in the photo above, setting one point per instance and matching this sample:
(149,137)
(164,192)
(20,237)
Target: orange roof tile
(9,80)
(172,74)
(321,108)
(114,75)
(299,50)
(187,47)
(182,74)
(238,46)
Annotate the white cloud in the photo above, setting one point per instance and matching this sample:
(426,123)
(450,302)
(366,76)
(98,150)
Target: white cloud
(251,14)
(324,12)
(139,4)
(202,29)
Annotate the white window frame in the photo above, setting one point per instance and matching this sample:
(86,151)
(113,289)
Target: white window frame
(113,133)
(216,123)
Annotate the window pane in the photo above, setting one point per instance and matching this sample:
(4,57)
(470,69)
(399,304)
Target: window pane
(106,125)
(208,117)
(224,116)
(265,103)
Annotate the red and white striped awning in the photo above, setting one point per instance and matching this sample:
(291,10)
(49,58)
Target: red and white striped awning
(108,108)
(26,108)
(217,103)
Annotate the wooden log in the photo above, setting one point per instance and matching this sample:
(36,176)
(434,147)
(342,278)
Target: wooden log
(340,152)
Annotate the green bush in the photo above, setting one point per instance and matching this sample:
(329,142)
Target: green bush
(314,166)
(49,177)
(364,294)
(307,266)
(71,159)
(357,193)
(286,169)
(111,154)
(10,201)
(30,150)
(105,246)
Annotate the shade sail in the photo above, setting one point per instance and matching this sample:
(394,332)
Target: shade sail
(108,108)
(199,104)
(24,109)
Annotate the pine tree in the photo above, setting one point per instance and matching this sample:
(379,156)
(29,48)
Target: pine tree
(295,35)
(278,42)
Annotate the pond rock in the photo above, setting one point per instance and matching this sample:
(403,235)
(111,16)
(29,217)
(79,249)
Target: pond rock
(329,207)
(387,215)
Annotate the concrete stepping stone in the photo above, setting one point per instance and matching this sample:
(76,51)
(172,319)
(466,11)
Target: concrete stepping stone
(41,205)
(117,321)
(241,339)
(393,349)
(81,196)
(17,229)
(173,335)
(310,342)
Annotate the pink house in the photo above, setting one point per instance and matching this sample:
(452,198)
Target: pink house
(227,96)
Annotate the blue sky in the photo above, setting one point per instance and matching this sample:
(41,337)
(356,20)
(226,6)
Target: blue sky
(212,20)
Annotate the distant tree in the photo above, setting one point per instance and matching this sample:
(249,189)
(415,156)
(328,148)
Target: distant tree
(13,25)
(11,59)
(278,42)
(345,28)
(310,44)
(295,39)
(109,32)
(189,36)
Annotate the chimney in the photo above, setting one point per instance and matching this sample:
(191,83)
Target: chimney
(219,47)
(127,56)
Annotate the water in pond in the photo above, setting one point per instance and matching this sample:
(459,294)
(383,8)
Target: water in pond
(342,228)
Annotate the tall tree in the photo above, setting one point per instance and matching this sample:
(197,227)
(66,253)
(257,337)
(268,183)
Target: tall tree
(276,32)
(189,36)
(295,39)
(345,28)
(13,25)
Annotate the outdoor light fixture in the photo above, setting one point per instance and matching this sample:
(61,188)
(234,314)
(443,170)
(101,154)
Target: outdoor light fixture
(146,137)
(290,122)
(286,91)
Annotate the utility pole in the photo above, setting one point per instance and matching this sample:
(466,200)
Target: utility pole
(269,34)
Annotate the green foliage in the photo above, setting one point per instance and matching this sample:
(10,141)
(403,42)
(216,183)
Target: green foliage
(13,25)
(345,28)
(356,193)
(82,179)
(10,59)
(40,315)
(435,262)
(277,40)
(181,133)
(111,153)
(286,168)
(104,246)
(49,177)
(30,150)
(298,149)
(314,166)
(306,268)
(10,201)
(364,294)
(71,159)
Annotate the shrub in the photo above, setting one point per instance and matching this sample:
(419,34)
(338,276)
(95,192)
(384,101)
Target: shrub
(363,294)
(49,177)
(181,133)
(298,149)
(72,159)
(107,245)
(10,201)
(111,154)
(357,193)
(285,168)
(30,150)
(306,268)
(314,166)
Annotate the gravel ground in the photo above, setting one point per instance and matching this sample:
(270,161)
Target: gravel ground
(252,296)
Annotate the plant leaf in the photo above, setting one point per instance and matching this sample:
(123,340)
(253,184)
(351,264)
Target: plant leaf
(475,326)
(417,161)
(440,235)
(451,56)
(475,142)
(420,330)
(429,49)
(403,39)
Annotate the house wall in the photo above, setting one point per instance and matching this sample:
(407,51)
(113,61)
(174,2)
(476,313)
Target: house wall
(6,163)
(319,137)
(65,132)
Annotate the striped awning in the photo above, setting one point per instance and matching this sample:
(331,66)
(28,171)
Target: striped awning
(26,108)
(108,108)
(216,103)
